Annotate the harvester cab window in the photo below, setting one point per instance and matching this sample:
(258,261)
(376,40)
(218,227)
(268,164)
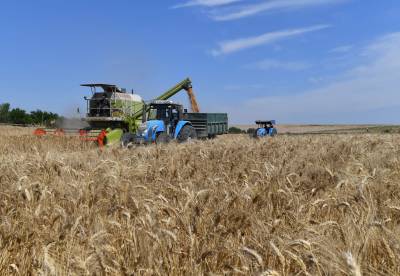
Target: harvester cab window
(99,105)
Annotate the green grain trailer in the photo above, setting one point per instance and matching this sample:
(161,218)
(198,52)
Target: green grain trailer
(208,125)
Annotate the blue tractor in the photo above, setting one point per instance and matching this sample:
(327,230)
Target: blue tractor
(265,128)
(162,121)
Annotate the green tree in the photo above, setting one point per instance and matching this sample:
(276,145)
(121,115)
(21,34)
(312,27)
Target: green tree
(4,112)
(235,130)
(40,117)
(251,130)
(19,116)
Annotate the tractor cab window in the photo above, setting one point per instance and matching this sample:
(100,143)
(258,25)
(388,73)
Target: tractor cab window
(175,114)
(158,113)
(152,115)
(163,112)
(166,112)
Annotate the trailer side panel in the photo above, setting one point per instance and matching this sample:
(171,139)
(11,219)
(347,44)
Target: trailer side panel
(208,124)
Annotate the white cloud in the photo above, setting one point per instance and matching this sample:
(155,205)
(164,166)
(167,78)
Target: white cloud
(367,93)
(254,9)
(274,64)
(231,46)
(205,3)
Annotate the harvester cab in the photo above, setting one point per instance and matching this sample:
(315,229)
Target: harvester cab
(163,121)
(111,106)
(265,128)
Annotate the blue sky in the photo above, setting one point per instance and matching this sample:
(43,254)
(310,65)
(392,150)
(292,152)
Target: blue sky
(296,61)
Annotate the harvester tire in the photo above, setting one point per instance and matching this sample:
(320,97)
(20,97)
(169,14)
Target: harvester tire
(162,138)
(126,139)
(187,133)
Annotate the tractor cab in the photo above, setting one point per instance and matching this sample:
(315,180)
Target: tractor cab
(265,128)
(168,112)
(265,124)
(163,121)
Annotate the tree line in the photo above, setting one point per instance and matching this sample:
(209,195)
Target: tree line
(20,116)
(236,130)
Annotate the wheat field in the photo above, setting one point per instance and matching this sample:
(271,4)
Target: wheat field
(291,205)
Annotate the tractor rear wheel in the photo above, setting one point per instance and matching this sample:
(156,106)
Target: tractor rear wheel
(162,138)
(187,133)
(273,132)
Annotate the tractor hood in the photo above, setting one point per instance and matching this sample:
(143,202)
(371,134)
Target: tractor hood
(149,129)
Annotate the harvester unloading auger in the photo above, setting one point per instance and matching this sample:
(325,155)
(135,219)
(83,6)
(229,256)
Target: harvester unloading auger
(113,112)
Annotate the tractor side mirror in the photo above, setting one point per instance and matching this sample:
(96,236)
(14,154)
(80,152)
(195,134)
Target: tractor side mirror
(185,110)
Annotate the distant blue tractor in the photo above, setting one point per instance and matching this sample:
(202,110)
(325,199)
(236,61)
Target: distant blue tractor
(163,121)
(265,128)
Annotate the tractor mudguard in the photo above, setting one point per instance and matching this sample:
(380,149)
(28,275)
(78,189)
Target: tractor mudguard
(154,127)
(179,127)
(261,132)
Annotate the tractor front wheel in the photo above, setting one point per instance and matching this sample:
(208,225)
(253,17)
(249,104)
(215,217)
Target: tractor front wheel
(187,133)
(162,138)
(255,134)
(126,139)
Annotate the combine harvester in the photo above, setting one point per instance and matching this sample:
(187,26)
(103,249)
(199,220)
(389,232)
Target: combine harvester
(114,116)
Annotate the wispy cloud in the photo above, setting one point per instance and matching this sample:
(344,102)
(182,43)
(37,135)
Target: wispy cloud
(274,64)
(342,49)
(231,46)
(205,3)
(366,93)
(254,9)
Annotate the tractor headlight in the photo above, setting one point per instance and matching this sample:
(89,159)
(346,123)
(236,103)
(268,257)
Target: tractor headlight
(142,127)
(142,130)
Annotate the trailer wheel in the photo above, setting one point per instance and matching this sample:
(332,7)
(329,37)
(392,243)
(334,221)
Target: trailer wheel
(162,138)
(126,139)
(187,133)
